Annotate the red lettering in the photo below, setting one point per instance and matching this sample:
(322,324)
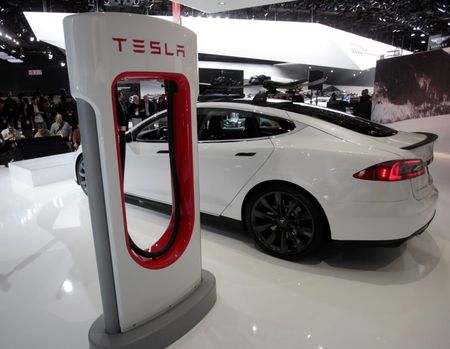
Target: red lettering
(138,46)
(180,50)
(166,51)
(155,47)
(119,42)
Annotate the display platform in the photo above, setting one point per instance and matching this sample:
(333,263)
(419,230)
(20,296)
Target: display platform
(44,170)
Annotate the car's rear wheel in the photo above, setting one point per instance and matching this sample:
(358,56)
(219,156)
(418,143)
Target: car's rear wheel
(284,221)
(81,175)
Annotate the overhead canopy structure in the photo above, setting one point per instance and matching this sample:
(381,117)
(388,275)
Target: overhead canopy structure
(287,42)
(225,5)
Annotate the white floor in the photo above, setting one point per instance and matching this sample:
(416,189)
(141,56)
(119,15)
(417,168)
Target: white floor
(345,298)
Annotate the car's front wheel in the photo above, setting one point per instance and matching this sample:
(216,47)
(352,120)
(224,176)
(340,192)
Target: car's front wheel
(284,221)
(81,175)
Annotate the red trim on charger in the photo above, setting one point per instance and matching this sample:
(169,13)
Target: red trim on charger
(184,163)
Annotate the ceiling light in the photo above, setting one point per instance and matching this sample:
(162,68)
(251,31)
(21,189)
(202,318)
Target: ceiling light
(331,70)
(413,34)
(15,60)
(441,9)
(221,3)
(422,35)
(31,38)
(423,42)
(63,64)
(50,55)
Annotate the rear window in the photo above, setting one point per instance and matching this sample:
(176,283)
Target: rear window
(347,121)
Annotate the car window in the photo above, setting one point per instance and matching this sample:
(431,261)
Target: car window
(230,124)
(154,131)
(347,121)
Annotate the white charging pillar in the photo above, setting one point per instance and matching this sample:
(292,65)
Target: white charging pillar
(152,297)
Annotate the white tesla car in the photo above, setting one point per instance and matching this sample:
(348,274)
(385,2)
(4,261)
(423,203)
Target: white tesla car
(294,174)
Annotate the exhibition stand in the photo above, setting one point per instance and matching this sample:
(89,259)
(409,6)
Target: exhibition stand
(151,296)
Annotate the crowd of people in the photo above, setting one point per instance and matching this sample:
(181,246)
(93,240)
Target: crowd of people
(38,116)
(136,109)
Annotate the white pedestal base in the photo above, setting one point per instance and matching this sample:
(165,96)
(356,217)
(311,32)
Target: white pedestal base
(45,170)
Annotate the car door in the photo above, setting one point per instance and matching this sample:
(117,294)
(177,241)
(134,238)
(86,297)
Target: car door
(147,167)
(231,150)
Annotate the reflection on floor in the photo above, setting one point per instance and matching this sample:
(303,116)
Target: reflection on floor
(343,298)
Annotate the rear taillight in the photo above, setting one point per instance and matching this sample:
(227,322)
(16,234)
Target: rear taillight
(392,171)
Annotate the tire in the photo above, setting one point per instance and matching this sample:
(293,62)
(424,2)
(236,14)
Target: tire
(81,175)
(284,221)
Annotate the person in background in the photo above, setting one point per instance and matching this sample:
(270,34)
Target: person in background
(36,113)
(61,128)
(162,102)
(76,138)
(134,110)
(363,107)
(10,135)
(146,108)
(11,109)
(122,125)
(3,117)
(42,132)
(26,121)
(334,103)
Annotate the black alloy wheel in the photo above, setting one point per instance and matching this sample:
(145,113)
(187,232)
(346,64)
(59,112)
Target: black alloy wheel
(81,175)
(285,222)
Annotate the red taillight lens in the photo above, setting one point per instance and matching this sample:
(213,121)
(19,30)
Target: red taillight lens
(392,171)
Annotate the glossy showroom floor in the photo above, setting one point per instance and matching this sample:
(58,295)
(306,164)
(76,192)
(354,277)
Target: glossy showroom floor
(345,298)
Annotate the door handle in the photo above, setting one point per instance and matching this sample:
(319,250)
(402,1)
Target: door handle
(162,152)
(245,154)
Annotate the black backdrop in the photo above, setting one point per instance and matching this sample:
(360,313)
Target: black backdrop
(14,76)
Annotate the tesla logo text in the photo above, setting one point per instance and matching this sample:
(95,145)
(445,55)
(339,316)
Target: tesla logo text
(151,47)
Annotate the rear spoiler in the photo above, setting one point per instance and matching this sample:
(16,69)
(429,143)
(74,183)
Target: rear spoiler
(431,137)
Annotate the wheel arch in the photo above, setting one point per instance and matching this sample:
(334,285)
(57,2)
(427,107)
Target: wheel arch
(77,161)
(277,182)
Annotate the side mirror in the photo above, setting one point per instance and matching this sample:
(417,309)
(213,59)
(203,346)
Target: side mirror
(128,137)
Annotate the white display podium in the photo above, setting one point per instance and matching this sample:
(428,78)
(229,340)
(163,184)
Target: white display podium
(44,170)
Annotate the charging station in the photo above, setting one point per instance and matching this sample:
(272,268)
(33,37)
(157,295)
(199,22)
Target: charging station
(151,296)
